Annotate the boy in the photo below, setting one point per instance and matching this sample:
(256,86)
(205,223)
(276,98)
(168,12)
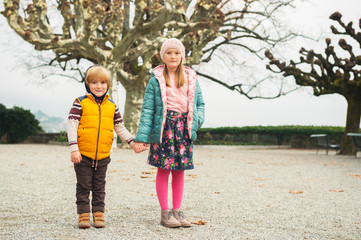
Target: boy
(91,122)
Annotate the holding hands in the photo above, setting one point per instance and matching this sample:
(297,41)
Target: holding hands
(139,147)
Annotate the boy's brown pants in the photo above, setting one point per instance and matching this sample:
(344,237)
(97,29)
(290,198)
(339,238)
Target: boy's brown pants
(89,179)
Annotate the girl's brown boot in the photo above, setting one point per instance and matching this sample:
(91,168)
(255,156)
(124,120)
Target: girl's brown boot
(168,220)
(98,220)
(179,215)
(84,220)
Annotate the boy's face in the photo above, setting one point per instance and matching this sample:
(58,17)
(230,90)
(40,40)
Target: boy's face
(172,58)
(98,87)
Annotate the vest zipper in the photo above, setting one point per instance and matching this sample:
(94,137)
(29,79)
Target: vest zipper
(100,112)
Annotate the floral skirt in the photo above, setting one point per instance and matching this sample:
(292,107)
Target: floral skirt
(176,150)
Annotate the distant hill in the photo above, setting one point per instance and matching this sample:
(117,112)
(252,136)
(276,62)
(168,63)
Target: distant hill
(50,124)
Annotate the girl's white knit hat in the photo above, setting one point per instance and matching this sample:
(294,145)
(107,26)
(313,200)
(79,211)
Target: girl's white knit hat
(173,43)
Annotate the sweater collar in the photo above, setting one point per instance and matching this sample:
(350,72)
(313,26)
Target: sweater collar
(97,100)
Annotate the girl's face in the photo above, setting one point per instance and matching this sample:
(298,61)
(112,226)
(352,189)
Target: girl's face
(172,58)
(98,87)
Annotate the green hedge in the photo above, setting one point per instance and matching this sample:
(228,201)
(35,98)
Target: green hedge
(232,135)
(277,130)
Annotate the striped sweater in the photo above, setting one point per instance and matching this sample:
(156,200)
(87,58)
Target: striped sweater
(73,124)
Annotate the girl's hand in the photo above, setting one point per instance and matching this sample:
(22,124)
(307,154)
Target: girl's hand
(75,157)
(139,147)
(144,147)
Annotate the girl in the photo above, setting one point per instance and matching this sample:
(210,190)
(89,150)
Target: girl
(172,112)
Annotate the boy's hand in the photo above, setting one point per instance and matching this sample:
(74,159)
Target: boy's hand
(75,157)
(137,147)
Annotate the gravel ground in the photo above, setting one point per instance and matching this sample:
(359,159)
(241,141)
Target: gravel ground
(238,192)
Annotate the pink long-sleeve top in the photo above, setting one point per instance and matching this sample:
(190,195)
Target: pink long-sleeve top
(177,99)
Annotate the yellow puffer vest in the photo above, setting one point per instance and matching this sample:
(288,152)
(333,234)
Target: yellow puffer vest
(96,126)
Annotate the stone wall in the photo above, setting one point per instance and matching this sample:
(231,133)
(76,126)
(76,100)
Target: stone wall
(295,141)
(42,137)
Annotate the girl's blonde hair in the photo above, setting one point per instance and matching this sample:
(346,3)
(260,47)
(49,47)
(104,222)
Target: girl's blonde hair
(179,76)
(99,73)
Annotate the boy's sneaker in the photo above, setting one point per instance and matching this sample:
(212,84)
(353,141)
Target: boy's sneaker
(84,220)
(179,215)
(98,220)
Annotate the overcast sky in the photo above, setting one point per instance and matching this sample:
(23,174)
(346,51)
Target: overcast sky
(223,107)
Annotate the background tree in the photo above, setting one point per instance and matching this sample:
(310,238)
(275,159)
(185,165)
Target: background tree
(125,36)
(17,124)
(2,120)
(330,74)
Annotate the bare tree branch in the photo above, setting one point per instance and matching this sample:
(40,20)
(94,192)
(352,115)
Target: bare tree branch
(238,88)
(125,36)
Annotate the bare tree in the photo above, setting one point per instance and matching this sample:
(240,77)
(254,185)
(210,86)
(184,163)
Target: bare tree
(125,36)
(331,74)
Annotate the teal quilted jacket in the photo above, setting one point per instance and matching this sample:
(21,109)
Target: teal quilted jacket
(154,109)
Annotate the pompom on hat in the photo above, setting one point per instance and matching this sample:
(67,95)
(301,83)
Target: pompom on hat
(173,43)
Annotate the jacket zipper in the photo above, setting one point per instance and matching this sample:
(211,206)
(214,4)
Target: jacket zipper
(100,112)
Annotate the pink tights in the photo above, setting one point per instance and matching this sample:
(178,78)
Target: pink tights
(162,188)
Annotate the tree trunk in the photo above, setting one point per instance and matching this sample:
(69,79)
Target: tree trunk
(133,104)
(352,124)
(113,92)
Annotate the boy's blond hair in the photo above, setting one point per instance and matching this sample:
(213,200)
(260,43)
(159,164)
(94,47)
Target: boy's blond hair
(99,73)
